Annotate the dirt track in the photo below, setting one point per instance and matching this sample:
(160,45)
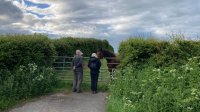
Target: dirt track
(74,102)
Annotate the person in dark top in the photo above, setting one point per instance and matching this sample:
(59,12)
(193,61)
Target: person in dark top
(94,64)
(77,65)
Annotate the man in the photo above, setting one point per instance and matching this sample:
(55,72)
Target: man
(94,64)
(77,65)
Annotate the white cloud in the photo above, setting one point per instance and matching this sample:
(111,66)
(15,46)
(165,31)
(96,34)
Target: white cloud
(3,17)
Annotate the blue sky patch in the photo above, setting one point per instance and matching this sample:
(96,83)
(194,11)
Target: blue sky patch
(39,5)
(37,14)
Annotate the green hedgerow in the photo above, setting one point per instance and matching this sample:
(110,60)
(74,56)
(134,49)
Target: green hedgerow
(25,82)
(142,52)
(67,46)
(23,49)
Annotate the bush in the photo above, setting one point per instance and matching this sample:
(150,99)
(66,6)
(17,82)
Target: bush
(19,51)
(23,49)
(68,46)
(157,90)
(25,82)
(137,51)
(157,76)
(140,52)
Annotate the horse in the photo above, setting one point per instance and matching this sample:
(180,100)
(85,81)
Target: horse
(112,60)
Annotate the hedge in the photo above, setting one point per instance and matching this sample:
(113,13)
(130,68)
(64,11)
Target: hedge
(67,46)
(39,49)
(23,49)
(140,52)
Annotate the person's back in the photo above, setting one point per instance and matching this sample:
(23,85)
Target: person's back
(77,63)
(94,64)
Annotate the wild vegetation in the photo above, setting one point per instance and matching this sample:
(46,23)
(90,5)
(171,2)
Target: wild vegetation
(157,76)
(25,82)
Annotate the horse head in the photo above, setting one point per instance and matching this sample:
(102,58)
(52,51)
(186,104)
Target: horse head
(100,53)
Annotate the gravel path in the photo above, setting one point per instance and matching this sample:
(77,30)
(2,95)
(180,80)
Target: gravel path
(74,102)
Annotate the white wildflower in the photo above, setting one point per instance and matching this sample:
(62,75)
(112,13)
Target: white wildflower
(129,101)
(186,68)
(181,77)
(41,76)
(194,91)
(172,71)
(21,67)
(195,57)
(189,108)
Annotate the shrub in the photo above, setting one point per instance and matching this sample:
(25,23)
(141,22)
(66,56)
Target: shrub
(140,52)
(137,51)
(157,89)
(23,49)
(67,46)
(25,82)
(25,62)
(157,76)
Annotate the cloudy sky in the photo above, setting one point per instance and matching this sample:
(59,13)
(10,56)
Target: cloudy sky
(114,20)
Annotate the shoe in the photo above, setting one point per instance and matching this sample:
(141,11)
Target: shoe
(74,90)
(93,92)
(79,91)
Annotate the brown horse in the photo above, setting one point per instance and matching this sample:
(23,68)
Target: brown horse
(112,61)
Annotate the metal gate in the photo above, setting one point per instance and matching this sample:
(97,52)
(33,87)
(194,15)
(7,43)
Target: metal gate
(63,68)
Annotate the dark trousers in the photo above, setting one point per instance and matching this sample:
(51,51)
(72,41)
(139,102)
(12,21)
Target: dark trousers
(94,81)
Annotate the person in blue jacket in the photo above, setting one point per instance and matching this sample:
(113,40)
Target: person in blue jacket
(94,64)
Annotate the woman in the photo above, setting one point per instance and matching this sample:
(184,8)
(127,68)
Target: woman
(94,64)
